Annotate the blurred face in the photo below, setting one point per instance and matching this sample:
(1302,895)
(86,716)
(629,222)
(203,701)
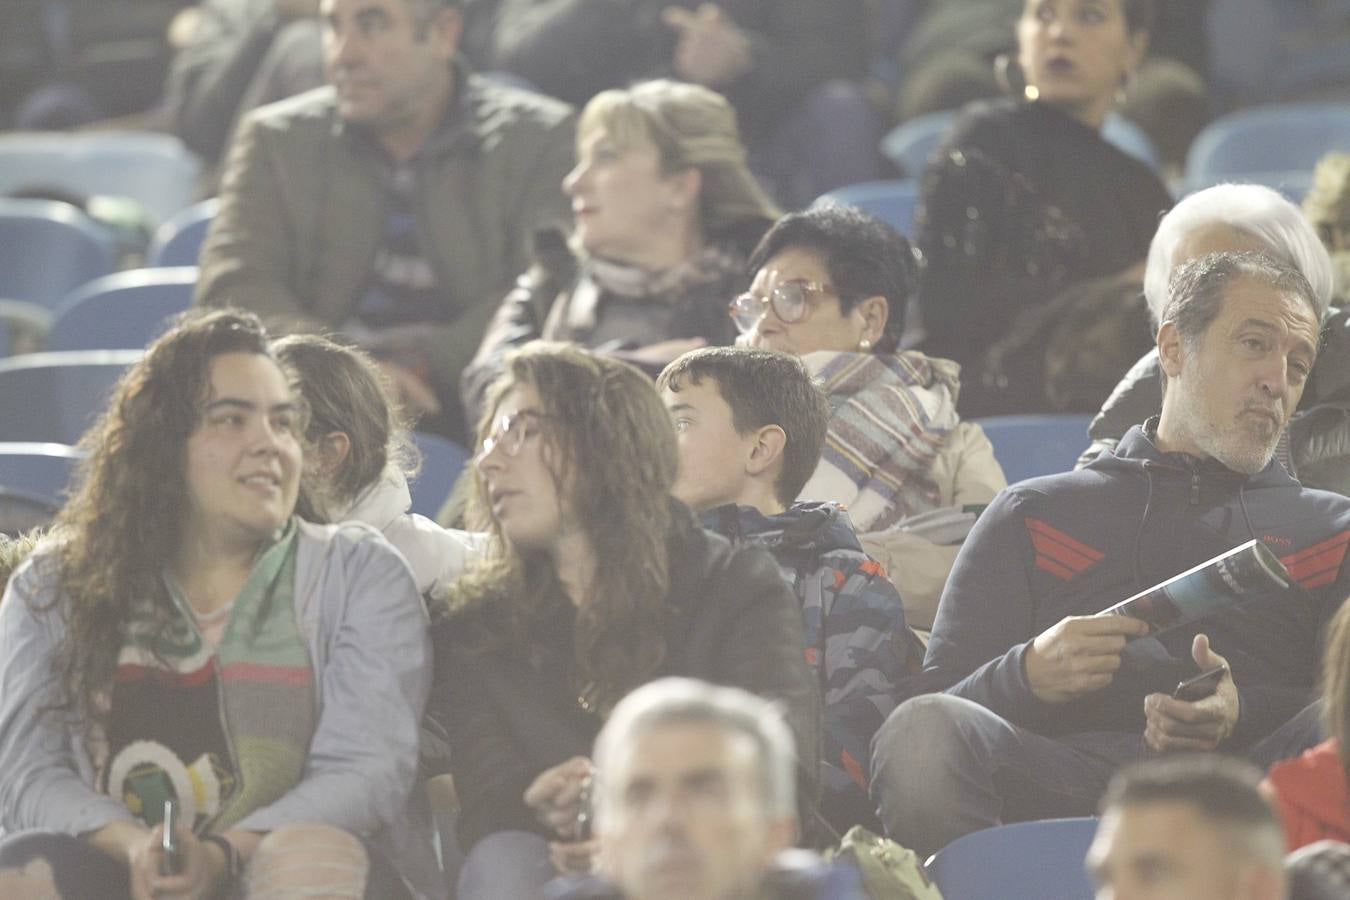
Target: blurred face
(1077,53)
(1231,396)
(684,816)
(388,70)
(712,453)
(516,463)
(823,326)
(624,204)
(1168,851)
(243,458)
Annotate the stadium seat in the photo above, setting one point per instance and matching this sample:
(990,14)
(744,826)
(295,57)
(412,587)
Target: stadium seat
(152,168)
(442,461)
(891,201)
(47,249)
(1032,445)
(37,470)
(1275,145)
(1021,861)
(54,397)
(124,311)
(912,143)
(179,240)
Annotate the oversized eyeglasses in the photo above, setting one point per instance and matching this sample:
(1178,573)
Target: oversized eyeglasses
(510,432)
(791,302)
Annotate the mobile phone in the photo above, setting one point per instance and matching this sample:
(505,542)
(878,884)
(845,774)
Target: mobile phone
(1201,686)
(171,863)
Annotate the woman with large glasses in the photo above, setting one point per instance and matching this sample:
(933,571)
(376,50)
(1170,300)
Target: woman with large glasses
(831,285)
(597,582)
(184,637)
(665,213)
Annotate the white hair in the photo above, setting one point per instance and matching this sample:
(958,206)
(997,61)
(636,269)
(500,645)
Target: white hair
(1251,208)
(681,701)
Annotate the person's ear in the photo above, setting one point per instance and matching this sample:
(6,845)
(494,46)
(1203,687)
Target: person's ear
(330,452)
(875,312)
(767,449)
(1171,349)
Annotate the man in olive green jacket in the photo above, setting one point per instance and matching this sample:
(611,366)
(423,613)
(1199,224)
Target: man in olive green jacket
(395,203)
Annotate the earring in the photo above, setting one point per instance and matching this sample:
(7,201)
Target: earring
(864,344)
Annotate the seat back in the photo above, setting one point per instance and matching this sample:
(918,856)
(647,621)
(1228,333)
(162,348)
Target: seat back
(1275,145)
(124,311)
(442,461)
(47,249)
(179,240)
(891,201)
(152,168)
(1021,861)
(1031,445)
(37,470)
(54,397)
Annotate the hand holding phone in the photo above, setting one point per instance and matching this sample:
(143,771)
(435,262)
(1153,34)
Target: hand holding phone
(1200,686)
(171,862)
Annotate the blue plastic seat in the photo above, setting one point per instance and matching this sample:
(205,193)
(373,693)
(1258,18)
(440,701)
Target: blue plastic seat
(1021,861)
(179,240)
(891,201)
(124,311)
(152,168)
(1268,143)
(1032,445)
(442,461)
(47,249)
(54,397)
(37,469)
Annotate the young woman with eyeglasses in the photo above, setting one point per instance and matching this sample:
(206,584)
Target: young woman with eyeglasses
(597,582)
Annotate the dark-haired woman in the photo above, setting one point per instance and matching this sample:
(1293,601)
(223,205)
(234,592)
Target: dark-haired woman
(185,638)
(598,583)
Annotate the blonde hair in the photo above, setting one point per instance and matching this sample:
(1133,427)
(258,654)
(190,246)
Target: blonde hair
(1336,682)
(691,126)
(1327,203)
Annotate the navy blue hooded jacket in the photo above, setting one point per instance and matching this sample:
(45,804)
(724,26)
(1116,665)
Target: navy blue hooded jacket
(1075,543)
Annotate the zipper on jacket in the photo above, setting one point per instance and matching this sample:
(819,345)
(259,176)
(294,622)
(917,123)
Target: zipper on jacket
(1195,488)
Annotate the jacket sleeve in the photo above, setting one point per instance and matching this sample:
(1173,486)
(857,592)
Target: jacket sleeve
(490,773)
(986,619)
(246,256)
(363,757)
(866,647)
(47,780)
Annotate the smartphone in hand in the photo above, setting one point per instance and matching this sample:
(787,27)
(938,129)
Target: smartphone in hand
(1201,686)
(171,862)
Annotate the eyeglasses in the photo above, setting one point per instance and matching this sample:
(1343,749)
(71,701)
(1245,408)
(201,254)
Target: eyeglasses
(790,301)
(510,432)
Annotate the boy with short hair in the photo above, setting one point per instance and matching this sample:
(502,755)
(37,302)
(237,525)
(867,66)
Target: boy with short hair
(751,425)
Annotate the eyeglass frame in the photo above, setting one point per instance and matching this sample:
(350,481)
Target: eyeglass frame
(502,429)
(770,301)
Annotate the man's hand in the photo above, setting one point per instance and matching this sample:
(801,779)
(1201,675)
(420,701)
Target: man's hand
(558,794)
(415,395)
(574,857)
(1171,724)
(1078,655)
(710,50)
(202,872)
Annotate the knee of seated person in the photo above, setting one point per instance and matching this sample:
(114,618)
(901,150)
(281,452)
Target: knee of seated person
(309,860)
(929,719)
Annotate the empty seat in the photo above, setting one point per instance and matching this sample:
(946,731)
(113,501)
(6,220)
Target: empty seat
(1021,861)
(1268,143)
(892,202)
(179,240)
(124,311)
(54,397)
(1031,445)
(38,470)
(442,461)
(47,249)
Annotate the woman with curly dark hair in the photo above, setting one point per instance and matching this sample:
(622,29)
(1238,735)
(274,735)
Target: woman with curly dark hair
(184,639)
(598,582)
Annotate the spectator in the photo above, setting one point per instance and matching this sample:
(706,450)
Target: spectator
(1327,208)
(665,213)
(1040,702)
(750,426)
(598,582)
(393,204)
(1310,791)
(1026,200)
(694,797)
(831,285)
(1192,827)
(1319,871)
(358,455)
(180,581)
(1238,217)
